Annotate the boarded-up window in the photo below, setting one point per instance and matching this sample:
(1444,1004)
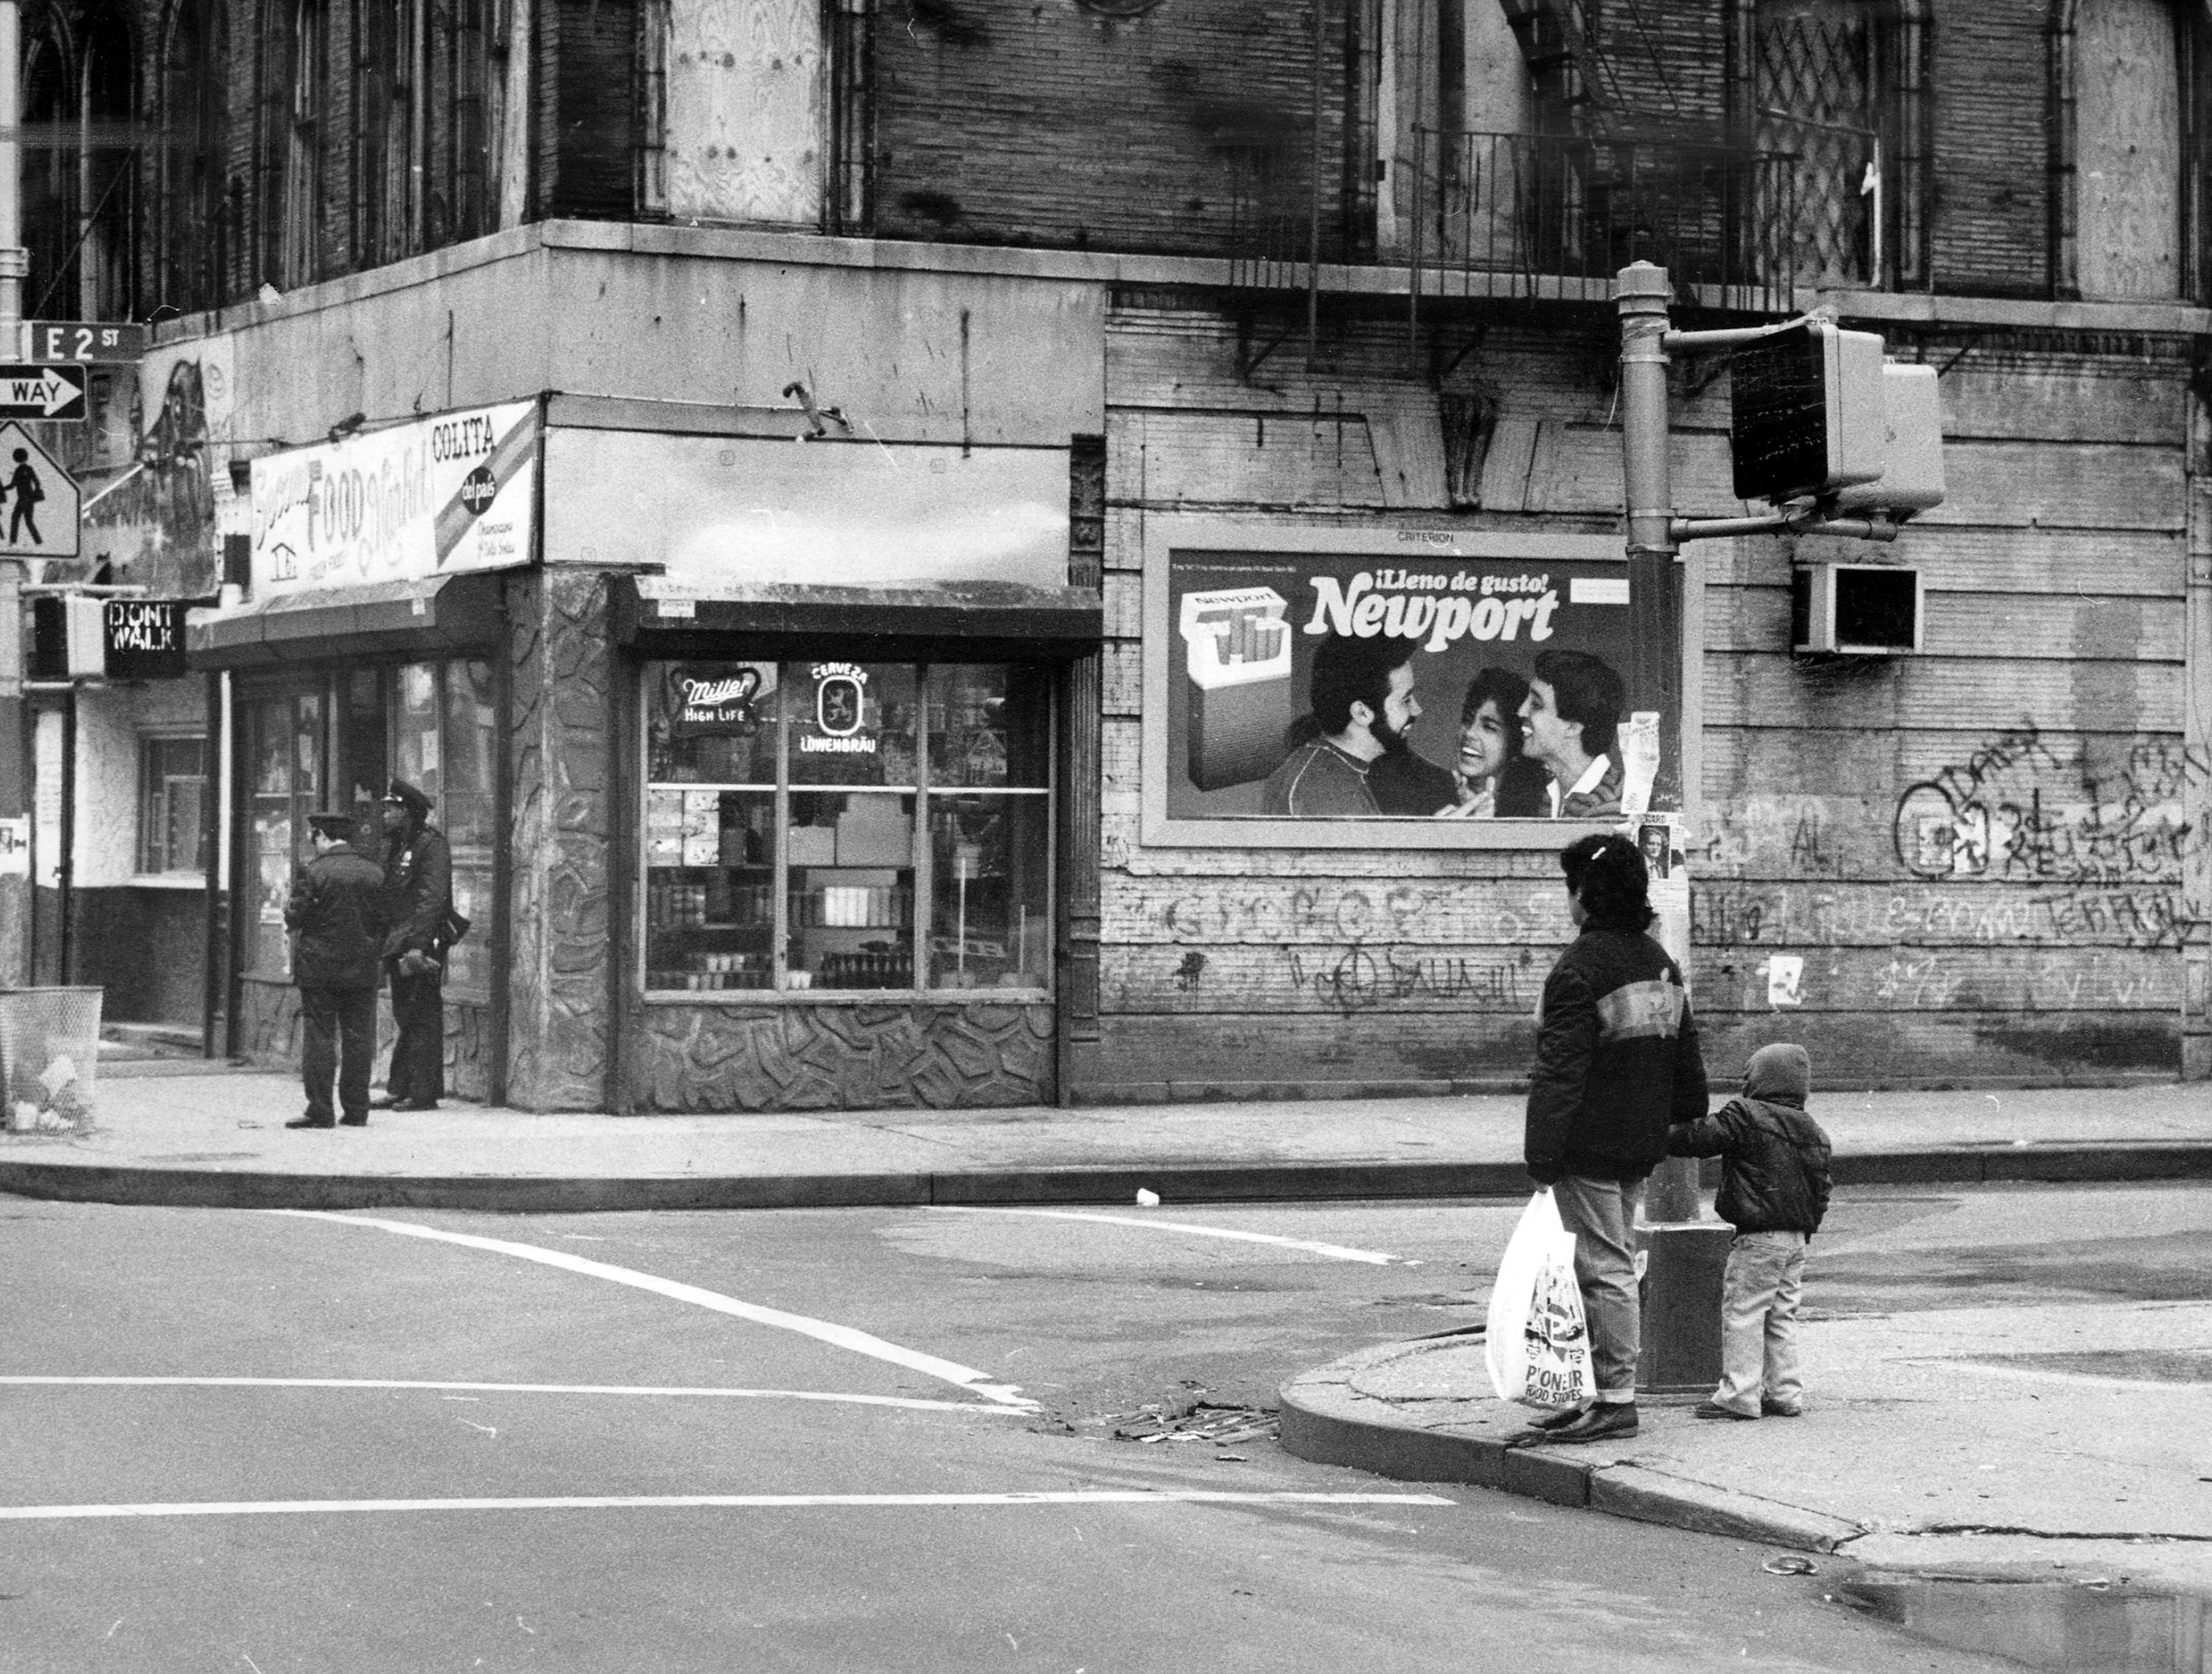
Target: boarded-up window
(588,133)
(301,224)
(2127,166)
(1991,182)
(744,138)
(193,224)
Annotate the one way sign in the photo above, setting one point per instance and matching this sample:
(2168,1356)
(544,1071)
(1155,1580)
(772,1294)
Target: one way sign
(43,392)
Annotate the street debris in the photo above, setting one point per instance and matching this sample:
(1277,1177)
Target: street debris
(1790,1565)
(1147,1200)
(1219,1422)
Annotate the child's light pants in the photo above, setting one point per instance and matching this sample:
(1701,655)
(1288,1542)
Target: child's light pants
(1759,1322)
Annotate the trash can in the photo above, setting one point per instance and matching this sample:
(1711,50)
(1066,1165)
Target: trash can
(49,1058)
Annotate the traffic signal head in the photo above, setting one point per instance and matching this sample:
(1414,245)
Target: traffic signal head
(1807,414)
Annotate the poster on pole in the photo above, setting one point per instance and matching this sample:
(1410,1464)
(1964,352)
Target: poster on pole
(1315,687)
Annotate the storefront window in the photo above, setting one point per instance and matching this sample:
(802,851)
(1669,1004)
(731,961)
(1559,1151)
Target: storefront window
(435,725)
(171,792)
(796,838)
(466,813)
(285,746)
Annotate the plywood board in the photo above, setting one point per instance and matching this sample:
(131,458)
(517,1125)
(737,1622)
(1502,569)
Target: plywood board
(745,118)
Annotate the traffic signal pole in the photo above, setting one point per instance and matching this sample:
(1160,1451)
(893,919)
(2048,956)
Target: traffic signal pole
(1685,1254)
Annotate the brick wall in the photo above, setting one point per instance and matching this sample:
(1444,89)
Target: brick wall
(1009,122)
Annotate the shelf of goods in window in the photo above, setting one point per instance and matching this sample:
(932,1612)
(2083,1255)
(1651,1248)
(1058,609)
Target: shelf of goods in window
(713,972)
(874,964)
(853,906)
(706,898)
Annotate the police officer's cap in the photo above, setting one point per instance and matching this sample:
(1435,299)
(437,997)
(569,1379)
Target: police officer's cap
(332,823)
(408,797)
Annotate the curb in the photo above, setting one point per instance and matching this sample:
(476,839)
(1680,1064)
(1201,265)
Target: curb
(140,1184)
(1313,1429)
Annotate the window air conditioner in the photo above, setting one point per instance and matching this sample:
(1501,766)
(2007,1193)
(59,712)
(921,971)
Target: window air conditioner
(1855,610)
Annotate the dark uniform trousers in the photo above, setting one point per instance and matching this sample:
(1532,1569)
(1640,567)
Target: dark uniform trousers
(418,1056)
(333,1019)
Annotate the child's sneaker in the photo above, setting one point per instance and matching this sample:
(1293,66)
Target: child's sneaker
(1714,1410)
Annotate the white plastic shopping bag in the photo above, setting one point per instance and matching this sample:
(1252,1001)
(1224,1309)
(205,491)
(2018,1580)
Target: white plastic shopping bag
(1537,1345)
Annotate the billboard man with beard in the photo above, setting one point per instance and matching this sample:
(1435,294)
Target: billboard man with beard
(1362,703)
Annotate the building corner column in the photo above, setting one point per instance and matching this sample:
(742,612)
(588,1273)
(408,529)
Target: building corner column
(1076,1029)
(560,1035)
(2194,917)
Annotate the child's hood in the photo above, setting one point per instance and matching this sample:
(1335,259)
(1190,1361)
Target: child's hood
(1779,1075)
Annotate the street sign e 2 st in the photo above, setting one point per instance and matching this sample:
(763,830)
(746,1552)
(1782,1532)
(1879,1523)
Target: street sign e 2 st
(54,392)
(110,341)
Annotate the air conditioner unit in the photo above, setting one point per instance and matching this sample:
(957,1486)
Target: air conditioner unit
(1856,610)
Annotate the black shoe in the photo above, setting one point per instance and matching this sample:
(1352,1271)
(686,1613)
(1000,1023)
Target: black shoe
(416,1104)
(1603,1422)
(310,1121)
(1776,1409)
(353,1122)
(1714,1410)
(1558,1420)
(384,1101)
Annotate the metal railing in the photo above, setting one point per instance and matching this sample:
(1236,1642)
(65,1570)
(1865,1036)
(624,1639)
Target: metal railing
(1513,214)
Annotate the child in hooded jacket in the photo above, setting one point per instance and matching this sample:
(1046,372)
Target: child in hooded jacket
(1774,1190)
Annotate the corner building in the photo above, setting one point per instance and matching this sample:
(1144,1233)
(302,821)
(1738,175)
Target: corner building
(904,460)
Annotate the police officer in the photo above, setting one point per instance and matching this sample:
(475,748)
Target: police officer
(418,884)
(335,912)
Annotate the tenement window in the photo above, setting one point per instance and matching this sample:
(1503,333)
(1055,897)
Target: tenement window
(172,798)
(833,825)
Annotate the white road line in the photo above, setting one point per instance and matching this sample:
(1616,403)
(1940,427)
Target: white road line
(906,1400)
(840,1336)
(707,1502)
(1338,1251)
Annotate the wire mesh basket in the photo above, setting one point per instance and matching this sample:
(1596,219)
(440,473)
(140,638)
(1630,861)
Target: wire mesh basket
(49,1060)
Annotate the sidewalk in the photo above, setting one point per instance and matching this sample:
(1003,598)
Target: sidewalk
(1932,1441)
(1959,1438)
(190,1134)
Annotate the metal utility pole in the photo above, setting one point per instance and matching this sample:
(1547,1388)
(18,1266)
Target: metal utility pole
(16,889)
(1655,582)
(1686,1253)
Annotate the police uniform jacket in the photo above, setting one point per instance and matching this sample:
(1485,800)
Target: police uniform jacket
(336,913)
(418,882)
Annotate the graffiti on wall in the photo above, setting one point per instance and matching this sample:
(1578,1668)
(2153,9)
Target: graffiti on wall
(1728,915)
(1326,911)
(154,522)
(1991,816)
(1359,978)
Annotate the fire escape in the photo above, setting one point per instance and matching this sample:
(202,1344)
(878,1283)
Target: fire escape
(1589,179)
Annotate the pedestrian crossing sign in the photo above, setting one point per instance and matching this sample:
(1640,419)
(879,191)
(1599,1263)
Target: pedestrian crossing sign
(39,504)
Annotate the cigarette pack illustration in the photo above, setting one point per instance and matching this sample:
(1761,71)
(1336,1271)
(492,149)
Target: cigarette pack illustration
(1236,650)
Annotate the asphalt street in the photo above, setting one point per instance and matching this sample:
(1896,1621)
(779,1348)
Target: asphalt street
(899,1440)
